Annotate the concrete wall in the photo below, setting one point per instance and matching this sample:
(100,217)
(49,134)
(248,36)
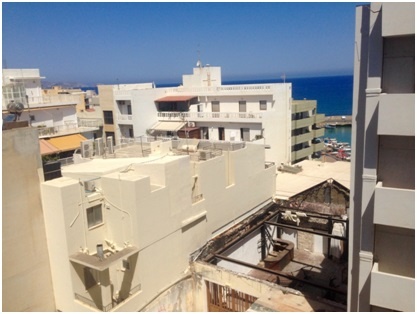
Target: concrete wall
(51,117)
(26,275)
(384,64)
(148,205)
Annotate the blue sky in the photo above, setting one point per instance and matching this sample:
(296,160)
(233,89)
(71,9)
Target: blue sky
(130,42)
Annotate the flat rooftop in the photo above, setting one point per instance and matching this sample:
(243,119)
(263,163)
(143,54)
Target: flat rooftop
(101,166)
(313,173)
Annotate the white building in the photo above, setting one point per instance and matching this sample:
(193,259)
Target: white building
(204,108)
(53,115)
(382,215)
(121,230)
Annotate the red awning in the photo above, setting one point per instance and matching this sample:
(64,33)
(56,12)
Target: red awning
(175,98)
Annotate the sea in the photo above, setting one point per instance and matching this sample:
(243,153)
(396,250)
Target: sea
(333,94)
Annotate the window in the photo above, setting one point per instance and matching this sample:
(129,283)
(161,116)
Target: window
(108,117)
(242,106)
(215,106)
(94,216)
(131,133)
(262,105)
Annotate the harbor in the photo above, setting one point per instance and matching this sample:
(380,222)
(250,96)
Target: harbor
(335,121)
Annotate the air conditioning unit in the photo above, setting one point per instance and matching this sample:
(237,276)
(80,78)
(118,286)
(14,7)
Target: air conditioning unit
(99,147)
(89,186)
(191,124)
(110,148)
(87,149)
(205,155)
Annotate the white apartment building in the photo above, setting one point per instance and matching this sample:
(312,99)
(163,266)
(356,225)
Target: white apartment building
(204,108)
(121,230)
(53,115)
(382,215)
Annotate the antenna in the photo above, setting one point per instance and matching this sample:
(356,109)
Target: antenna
(198,55)
(283,76)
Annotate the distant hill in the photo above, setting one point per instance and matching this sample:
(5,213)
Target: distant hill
(48,84)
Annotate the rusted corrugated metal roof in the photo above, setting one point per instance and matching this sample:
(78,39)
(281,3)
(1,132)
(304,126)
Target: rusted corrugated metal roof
(175,98)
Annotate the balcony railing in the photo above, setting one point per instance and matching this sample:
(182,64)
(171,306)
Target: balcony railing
(70,127)
(394,207)
(388,289)
(204,116)
(302,153)
(54,99)
(302,123)
(124,117)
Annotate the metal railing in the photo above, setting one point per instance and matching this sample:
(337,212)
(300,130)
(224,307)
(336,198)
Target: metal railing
(54,99)
(208,115)
(124,117)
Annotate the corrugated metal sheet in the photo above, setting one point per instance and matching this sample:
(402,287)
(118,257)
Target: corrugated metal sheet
(68,142)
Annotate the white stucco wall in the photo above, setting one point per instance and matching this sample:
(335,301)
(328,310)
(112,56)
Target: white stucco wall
(26,273)
(149,206)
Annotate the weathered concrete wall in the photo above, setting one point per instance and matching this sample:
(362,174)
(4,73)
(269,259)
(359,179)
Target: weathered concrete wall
(179,298)
(27,284)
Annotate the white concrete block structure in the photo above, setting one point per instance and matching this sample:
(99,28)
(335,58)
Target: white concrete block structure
(382,215)
(202,107)
(53,115)
(121,230)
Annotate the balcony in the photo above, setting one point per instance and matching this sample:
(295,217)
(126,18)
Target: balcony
(318,147)
(319,118)
(70,127)
(124,119)
(298,139)
(394,207)
(302,123)
(210,116)
(303,105)
(53,100)
(302,153)
(396,114)
(392,291)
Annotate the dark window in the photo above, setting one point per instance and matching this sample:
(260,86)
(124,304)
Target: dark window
(242,106)
(215,106)
(262,105)
(108,117)
(94,216)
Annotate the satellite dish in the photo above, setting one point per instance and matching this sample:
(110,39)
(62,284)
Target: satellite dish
(15,108)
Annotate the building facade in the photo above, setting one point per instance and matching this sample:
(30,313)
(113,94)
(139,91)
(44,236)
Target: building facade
(202,107)
(52,112)
(121,230)
(382,215)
